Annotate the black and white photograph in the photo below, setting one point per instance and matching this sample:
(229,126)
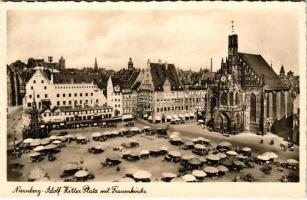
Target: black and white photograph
(153,95)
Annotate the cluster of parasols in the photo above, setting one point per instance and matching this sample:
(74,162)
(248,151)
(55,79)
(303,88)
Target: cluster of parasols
(203,160)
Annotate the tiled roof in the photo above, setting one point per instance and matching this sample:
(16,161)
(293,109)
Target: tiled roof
(261,67)
(161,72)
(136,85)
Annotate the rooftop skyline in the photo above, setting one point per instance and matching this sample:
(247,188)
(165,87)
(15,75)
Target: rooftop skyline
(187,39)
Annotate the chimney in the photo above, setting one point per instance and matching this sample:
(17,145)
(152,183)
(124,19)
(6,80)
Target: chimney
(211,65)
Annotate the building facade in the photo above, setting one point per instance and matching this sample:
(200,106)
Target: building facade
(248,94)
(64,101)
(161,96)
(49,93)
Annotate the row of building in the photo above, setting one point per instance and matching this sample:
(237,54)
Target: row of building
(244,94)
(154,92)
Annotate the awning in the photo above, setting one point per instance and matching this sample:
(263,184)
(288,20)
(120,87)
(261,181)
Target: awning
(145,116)
(181,116)
(150,118)
(187,115)
(158,118)
(127,117)
(191,114)
(175,116)
(168,117)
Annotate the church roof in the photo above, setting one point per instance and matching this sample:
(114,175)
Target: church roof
(261,67)
(162,71)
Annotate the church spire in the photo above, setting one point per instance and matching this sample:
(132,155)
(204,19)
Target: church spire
(232,26)
(282,71)
(95,65)
(130,64)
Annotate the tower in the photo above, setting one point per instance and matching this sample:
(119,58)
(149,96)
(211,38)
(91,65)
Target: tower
(282,71)
(233,46)
(130,64)
(96,65)
(61,63)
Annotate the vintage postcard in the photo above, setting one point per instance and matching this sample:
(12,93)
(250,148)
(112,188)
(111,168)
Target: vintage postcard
(194,99)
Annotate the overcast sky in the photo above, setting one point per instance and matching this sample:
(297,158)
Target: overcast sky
(187,38)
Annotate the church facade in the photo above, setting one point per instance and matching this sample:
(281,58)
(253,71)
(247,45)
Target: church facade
(247,94)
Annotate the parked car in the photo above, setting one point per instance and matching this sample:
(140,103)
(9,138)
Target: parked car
(129,124)
(63,133)
(225,134)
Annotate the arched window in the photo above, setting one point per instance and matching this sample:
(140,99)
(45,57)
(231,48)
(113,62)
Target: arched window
(237,98)
(274,105)
(224,98)
(282,104)
(231,101)
(268,106)
(213,102)
(253,107)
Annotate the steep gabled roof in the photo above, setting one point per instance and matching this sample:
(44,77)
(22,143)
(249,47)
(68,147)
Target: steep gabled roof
(161,72)
(261,67)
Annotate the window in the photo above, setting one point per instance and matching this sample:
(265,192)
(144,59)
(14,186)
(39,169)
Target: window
(30,96)
(42,81)
(96,100)
(91,94)
(224,98)
(80,101)
(64,95)
(253,105)
(29,105)
(64,103)
(34,81)
(237,99)
(45,87)
(80,94)
(75,94)
(58,103)
(57,95)
(282,104)
(46,95)
(37,96)
(86,94)
(231,101)
(69,94)
(31,87)
(69,102)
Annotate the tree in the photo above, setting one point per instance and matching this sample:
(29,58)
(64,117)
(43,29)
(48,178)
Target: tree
(31,63)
